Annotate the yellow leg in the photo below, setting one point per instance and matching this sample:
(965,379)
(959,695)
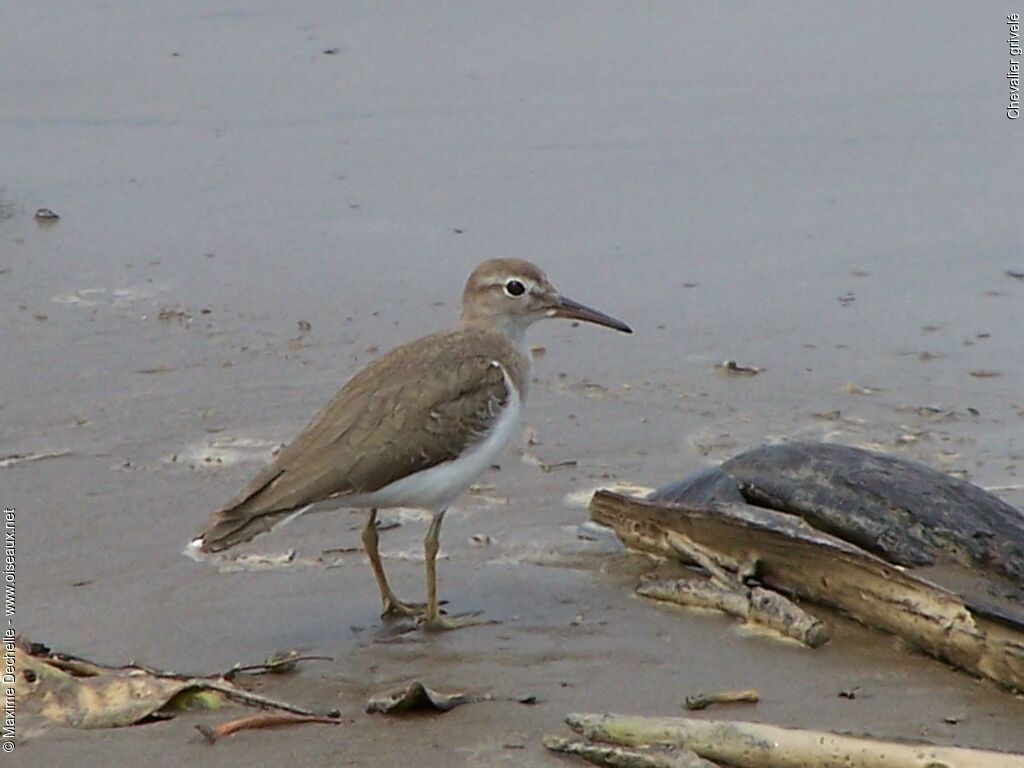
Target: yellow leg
(432,619)
(431,543)
(392,605)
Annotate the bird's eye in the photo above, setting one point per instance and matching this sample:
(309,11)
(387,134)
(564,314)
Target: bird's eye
(515,288)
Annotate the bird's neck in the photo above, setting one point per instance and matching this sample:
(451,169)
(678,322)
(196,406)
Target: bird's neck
(517,359)
(513,329)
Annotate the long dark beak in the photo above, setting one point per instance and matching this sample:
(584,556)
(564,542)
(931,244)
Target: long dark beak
(573,310)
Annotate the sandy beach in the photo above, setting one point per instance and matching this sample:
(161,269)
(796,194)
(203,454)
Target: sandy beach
(256,200)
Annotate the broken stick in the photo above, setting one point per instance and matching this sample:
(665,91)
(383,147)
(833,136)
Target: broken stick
(705,700)
(756,745)
(756,605)
(627,757)
(261,721)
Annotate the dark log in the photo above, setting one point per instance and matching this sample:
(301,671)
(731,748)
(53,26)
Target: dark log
(906,512)
(793,557)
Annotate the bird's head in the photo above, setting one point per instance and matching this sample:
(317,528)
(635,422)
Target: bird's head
(509,295)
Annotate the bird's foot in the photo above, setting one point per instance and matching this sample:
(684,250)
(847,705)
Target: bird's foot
(395,607)
(441,623)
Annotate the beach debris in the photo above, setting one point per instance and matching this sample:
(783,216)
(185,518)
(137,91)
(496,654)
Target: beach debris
(705,700)
(985,374)
(46,215)
(269,720)
(755,606)
(725,590)
(416,697)
(732,368)
(903,511)
(551,466)
(1015,274)
(628,757)
(755,745)
(174,314)
(278,663)
(79,693)
(795,558)
(531,459)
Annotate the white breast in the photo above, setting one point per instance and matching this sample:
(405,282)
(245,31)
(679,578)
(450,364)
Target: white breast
(439,486)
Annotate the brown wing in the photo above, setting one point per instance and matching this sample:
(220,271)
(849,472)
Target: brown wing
(416,407)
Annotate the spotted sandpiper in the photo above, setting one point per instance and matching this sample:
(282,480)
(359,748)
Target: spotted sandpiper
(412,429)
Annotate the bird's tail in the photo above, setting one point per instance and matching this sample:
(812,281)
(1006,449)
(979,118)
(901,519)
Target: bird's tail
(236,525)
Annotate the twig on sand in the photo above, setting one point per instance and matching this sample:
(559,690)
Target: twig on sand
(275,665)
(256,700)
(705,700)
(261,721)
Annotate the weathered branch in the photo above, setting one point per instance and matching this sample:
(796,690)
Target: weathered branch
(756,605)
(627,757)
(798,559)
(269,720)
(705,700)
(756,745)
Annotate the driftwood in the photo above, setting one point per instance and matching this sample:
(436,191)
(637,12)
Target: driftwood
(705,700)
(906,512)
(725,591)
(759,606)
(756,745)
(628,757)
(789,555)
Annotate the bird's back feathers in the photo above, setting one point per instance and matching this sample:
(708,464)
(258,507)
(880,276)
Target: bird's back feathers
(418,406)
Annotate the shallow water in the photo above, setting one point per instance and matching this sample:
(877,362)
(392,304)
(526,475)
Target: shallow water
(827,194)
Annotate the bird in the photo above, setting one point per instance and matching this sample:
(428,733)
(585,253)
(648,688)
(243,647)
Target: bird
(412,429)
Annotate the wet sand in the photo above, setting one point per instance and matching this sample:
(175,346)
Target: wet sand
(825,194)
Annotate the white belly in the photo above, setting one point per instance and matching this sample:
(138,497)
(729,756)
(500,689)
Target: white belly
(439,486)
